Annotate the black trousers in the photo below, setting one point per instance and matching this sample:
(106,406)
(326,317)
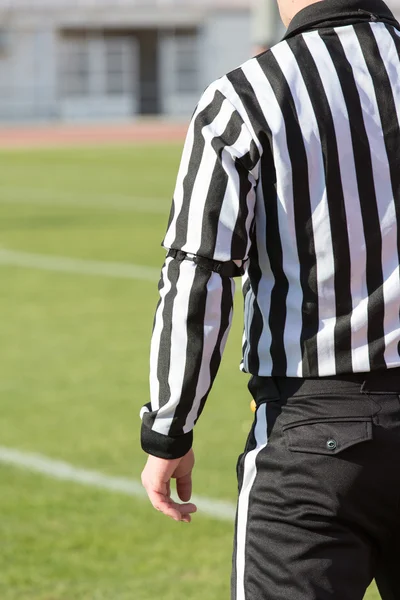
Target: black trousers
(319,490)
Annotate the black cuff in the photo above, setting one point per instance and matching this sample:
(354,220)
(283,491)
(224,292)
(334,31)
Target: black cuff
(165,446)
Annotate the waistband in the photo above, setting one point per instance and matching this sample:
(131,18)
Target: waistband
(375,382)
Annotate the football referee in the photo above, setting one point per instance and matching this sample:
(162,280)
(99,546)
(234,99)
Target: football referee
(290,178)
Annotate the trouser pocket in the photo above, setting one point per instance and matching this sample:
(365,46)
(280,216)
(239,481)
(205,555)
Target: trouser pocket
(327,436)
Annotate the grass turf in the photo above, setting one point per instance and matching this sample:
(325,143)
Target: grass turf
(74,375)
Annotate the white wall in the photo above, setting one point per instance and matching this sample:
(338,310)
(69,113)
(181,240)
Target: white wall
(267,27)
(225,43)
(27,74)
(175,102)
(394,6)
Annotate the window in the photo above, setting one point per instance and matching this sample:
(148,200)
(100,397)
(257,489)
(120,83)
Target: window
(117,65)
(186,63)
(74,67)
(5,42)
(93,63)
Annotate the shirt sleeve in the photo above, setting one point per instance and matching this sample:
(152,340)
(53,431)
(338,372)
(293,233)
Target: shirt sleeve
(211,217)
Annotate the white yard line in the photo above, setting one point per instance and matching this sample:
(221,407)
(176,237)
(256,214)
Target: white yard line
(37,463)
(65,264)
(80,266)
(109,202)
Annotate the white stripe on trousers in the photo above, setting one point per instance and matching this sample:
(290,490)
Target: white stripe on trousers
(249,475)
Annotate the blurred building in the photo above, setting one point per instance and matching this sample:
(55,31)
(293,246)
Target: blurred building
(267,27)
(107,59)
(66,59)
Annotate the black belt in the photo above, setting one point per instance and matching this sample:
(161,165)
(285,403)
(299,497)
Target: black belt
(374,382)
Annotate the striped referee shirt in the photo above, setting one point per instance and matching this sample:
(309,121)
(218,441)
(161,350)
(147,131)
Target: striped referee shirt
(291,168)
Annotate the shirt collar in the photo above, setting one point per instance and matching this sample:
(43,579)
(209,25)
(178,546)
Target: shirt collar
(331,11)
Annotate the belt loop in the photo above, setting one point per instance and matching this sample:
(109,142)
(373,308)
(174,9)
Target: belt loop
(382,382)
(276,387)
(263,389)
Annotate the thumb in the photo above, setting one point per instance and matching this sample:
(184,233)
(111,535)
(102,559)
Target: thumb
(184,487)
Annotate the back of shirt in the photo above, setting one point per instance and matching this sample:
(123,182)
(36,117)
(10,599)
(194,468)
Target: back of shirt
(324,276)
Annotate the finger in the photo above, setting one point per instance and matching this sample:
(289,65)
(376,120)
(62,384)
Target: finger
(169,511)
(174,511)
(184,487)
(186,519)
(164,505)
(182,509)
(159,499)
(185,509)
(170,508)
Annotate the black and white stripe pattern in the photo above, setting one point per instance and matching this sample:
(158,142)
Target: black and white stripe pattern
(212,216)
(291,164)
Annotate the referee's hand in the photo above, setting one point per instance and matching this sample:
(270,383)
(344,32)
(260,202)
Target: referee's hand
(156,479)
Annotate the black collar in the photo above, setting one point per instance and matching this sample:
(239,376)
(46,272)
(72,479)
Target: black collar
(339,12)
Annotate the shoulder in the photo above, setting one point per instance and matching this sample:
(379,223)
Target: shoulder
(245,90)
(242,82)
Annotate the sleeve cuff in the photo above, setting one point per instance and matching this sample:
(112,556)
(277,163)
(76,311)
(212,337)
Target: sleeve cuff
(165,446)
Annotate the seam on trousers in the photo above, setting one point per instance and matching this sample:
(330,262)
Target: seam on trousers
(249,475)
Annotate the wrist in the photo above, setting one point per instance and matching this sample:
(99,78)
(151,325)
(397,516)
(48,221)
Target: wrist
(165,446)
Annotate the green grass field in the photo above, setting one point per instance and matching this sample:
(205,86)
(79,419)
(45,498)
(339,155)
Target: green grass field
(73,356)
